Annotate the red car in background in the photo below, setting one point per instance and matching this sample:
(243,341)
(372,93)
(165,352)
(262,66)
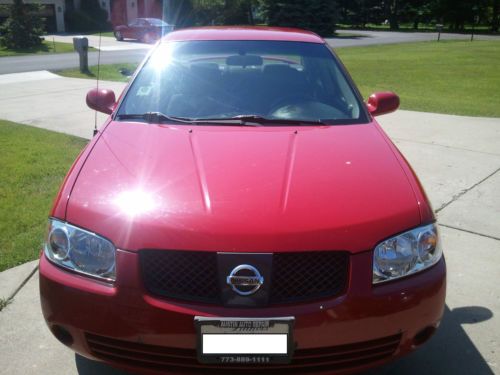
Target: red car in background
(147,30)
(241,210)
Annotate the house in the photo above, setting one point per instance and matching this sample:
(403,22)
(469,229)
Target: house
(119,11)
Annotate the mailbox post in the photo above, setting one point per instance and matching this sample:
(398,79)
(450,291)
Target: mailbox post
(81,46)
(439,28)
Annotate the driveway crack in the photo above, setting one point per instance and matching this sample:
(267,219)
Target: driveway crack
(470,231)
(464,191)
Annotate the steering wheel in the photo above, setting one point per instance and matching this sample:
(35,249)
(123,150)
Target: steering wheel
(288,100)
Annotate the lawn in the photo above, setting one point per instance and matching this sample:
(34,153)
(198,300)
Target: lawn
(47,47)
(33,163)
(107,72)
(105,33)
(454,77)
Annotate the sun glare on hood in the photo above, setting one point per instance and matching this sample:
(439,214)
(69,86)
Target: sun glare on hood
(135,202)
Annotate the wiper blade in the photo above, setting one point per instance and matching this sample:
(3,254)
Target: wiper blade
(155,117)
(255,119)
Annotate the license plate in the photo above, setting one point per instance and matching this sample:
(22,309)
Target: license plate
(244,341)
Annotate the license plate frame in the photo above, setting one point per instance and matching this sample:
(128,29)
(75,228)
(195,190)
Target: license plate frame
(244,326)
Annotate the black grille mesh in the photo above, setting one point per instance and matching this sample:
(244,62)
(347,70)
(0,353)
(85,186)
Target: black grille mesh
(296,277)
(305,276)
(187,275)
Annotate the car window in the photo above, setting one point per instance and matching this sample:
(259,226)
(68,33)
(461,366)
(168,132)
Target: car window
(224,79)
(156,22)
(134,23)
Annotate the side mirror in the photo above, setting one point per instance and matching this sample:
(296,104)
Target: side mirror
(381,103)
(101,100)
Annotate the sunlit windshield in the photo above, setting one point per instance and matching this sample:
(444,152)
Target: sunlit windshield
(226,79)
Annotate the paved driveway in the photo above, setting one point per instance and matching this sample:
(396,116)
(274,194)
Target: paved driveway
(458,161)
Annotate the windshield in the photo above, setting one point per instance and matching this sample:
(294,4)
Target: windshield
(255,79)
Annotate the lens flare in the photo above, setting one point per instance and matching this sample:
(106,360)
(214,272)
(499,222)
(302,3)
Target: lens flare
(135,202)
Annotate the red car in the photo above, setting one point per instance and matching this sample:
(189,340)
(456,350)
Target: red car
(241,210)
(147,30)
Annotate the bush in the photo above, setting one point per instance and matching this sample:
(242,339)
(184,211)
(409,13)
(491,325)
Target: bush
(315,15)
(24,27)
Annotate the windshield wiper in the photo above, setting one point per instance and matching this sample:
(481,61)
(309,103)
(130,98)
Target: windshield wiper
(256,120)
(155,117)
(242,120)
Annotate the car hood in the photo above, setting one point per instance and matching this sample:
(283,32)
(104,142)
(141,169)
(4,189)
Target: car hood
(244,189)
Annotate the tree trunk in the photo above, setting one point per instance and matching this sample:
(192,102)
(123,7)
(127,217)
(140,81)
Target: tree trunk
(495,21)
(251,21)
(393,15)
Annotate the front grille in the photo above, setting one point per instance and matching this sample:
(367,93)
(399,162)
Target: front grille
(296,277)
(159,358)
(186,275)
(307,276)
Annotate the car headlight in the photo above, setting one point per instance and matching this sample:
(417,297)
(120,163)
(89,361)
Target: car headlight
(406,254)
(80,250)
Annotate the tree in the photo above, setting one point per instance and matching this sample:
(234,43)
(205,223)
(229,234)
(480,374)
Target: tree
(316,15)
(180,13)
(495,19)
(24,27)
(392,13)
(360,12)
(90,17)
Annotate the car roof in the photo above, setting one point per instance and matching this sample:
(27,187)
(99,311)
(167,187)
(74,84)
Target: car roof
(243,33)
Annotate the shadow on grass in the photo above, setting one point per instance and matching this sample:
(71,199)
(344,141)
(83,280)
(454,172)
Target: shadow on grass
(43,48)
(450,351)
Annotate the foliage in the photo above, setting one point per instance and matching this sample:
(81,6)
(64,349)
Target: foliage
(23,28)
(316,15)
(90,17)
(455,14)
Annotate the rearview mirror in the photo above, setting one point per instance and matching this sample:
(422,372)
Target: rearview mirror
(244,60)
(101,100)
(381,103)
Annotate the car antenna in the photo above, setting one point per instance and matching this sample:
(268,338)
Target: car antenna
(97,79)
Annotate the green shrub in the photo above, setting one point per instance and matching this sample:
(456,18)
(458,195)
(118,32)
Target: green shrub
(24,27)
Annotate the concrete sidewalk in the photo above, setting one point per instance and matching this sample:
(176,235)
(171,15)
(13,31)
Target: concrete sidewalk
(49,101)
(457,160)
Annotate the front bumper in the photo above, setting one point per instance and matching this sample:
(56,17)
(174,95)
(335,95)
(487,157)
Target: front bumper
(124,326)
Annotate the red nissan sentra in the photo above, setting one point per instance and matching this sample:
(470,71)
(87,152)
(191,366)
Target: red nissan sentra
(241,210)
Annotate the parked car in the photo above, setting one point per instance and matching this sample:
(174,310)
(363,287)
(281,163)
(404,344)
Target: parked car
(242,209)
(147,30)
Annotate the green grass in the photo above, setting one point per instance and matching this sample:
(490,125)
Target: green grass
(33,163)
(4,302)
(454,77)
(105,33)
(46,47)
(107,72)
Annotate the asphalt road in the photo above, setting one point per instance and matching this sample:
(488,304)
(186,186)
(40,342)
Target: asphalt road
(368,38)
(18,64)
